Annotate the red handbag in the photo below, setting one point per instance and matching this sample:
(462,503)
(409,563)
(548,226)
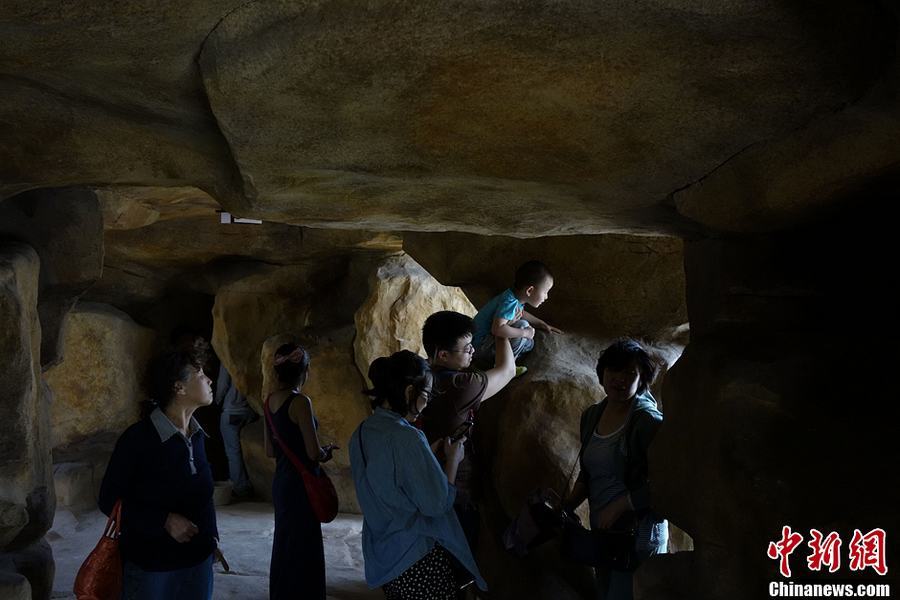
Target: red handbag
(319,489)
(100,576)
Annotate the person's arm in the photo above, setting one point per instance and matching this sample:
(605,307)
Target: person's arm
(580,490)
(453,453)
(420,477)
(504,369)
(578,495)
(500,328)
(645,427)
(539,323)
(267,440)
(301,413)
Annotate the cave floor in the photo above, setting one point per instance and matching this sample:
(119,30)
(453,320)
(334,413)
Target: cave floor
(246,530)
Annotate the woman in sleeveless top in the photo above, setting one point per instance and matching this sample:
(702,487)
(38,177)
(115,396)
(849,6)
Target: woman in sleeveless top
(616,434)
(298,558)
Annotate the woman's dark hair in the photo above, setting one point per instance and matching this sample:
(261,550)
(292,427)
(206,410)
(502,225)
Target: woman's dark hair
(164,371)
(622,353)
(291,363)
(391,374)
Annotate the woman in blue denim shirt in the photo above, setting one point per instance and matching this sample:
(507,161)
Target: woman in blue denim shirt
(411,535)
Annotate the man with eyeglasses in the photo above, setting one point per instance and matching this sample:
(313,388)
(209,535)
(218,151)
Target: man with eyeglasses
(457,393)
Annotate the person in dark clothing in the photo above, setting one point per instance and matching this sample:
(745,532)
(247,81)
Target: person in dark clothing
(297,569)
(159,471)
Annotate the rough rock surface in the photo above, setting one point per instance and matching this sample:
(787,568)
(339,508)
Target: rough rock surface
(65,227)
(484,117)
(195,252)
(132,207)
(766,406)
(102,108)
(527,437)
(23,469)
(493,117)
(604,286)
(824,166)
(33,562)
(401,296)
(27,501)
(98,387)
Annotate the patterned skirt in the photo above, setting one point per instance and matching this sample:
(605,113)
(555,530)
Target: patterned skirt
(430,578)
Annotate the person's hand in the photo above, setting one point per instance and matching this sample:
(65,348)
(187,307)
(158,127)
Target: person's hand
(548,328)
(180,528)
(528,333)
(218,557)
(454,451)
(327,452)
(610,513)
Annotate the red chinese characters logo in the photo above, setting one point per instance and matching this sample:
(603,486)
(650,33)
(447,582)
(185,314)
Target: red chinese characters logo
(826,551)
(782,549)
(864,551)
(868,551)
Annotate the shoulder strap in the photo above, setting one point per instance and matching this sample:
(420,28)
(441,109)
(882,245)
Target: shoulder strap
(298,464)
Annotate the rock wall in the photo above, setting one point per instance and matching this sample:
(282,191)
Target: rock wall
(401,296)
(776,417)
(98,388)
(604,286)
(65,227)
(27,502)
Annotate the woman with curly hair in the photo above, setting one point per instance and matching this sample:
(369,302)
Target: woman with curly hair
(159,471)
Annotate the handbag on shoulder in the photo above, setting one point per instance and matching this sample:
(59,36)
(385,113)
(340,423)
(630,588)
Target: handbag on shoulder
(100,575)
(319,489)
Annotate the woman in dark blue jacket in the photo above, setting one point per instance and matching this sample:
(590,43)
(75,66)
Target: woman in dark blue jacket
(160,473)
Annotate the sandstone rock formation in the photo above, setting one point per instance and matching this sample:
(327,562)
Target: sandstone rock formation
(459,109)
(401,296)
(475,117)
(604,286)
(27,502)
(64,226)
(98,388)
(766,408)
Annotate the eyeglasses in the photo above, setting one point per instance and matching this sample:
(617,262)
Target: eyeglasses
(467,349)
